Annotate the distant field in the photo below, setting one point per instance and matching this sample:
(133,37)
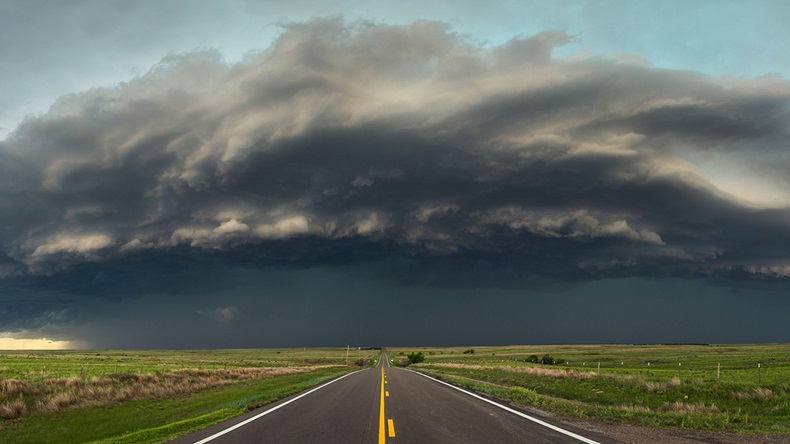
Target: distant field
(715,387)
(149,396)
(31,365)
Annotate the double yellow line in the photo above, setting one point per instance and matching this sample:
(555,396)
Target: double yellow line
(382,429)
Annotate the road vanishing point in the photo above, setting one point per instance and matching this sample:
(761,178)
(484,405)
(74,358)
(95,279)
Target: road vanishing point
(389,405)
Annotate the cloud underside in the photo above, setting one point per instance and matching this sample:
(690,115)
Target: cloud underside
(346,142)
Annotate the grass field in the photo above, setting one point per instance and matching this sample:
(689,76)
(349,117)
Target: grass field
(743,388)
(150,396)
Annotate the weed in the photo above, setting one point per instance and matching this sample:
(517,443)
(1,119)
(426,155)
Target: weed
(756,393)
(13,409)
(634,408)
(685,408)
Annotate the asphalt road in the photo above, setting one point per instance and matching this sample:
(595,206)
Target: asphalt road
(388,405)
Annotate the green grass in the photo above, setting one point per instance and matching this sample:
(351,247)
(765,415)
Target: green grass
(117,420)
(624,391)
(157,418)
(173,430)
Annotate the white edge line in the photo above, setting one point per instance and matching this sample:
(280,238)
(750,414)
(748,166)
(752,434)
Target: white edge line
(523,415)
(259,415)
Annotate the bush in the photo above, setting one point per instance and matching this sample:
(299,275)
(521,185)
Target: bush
(546,359)
(471,351)
(415,358)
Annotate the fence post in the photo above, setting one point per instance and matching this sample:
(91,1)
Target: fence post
(678,370)
(648,369)
(758,375)
(718,371)
(599,368)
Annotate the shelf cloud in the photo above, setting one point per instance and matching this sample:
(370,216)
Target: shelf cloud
(345,143)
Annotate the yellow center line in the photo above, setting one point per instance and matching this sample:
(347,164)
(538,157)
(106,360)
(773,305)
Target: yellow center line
(391,428)
(382,437)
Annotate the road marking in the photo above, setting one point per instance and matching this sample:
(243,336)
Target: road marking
(382,437)
(387,393)
(259,415)
(516,412)
(391,428)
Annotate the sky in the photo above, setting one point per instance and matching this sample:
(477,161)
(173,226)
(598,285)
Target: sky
(195,174)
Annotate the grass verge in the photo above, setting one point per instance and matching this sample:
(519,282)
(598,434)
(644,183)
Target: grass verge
(161,419)
(171,431)
(694,416)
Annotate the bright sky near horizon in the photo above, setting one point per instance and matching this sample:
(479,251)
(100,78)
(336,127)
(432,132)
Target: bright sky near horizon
(246,173)
(37,344)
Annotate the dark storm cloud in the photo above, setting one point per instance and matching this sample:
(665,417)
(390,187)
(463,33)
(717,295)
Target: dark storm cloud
(344,143)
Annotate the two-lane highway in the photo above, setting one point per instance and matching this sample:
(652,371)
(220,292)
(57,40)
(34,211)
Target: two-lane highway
(345,410)
(387,405)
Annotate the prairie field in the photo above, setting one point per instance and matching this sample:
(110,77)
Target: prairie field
(743,388)
(149,396)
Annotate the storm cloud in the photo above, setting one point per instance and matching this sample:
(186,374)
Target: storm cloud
(446,161)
